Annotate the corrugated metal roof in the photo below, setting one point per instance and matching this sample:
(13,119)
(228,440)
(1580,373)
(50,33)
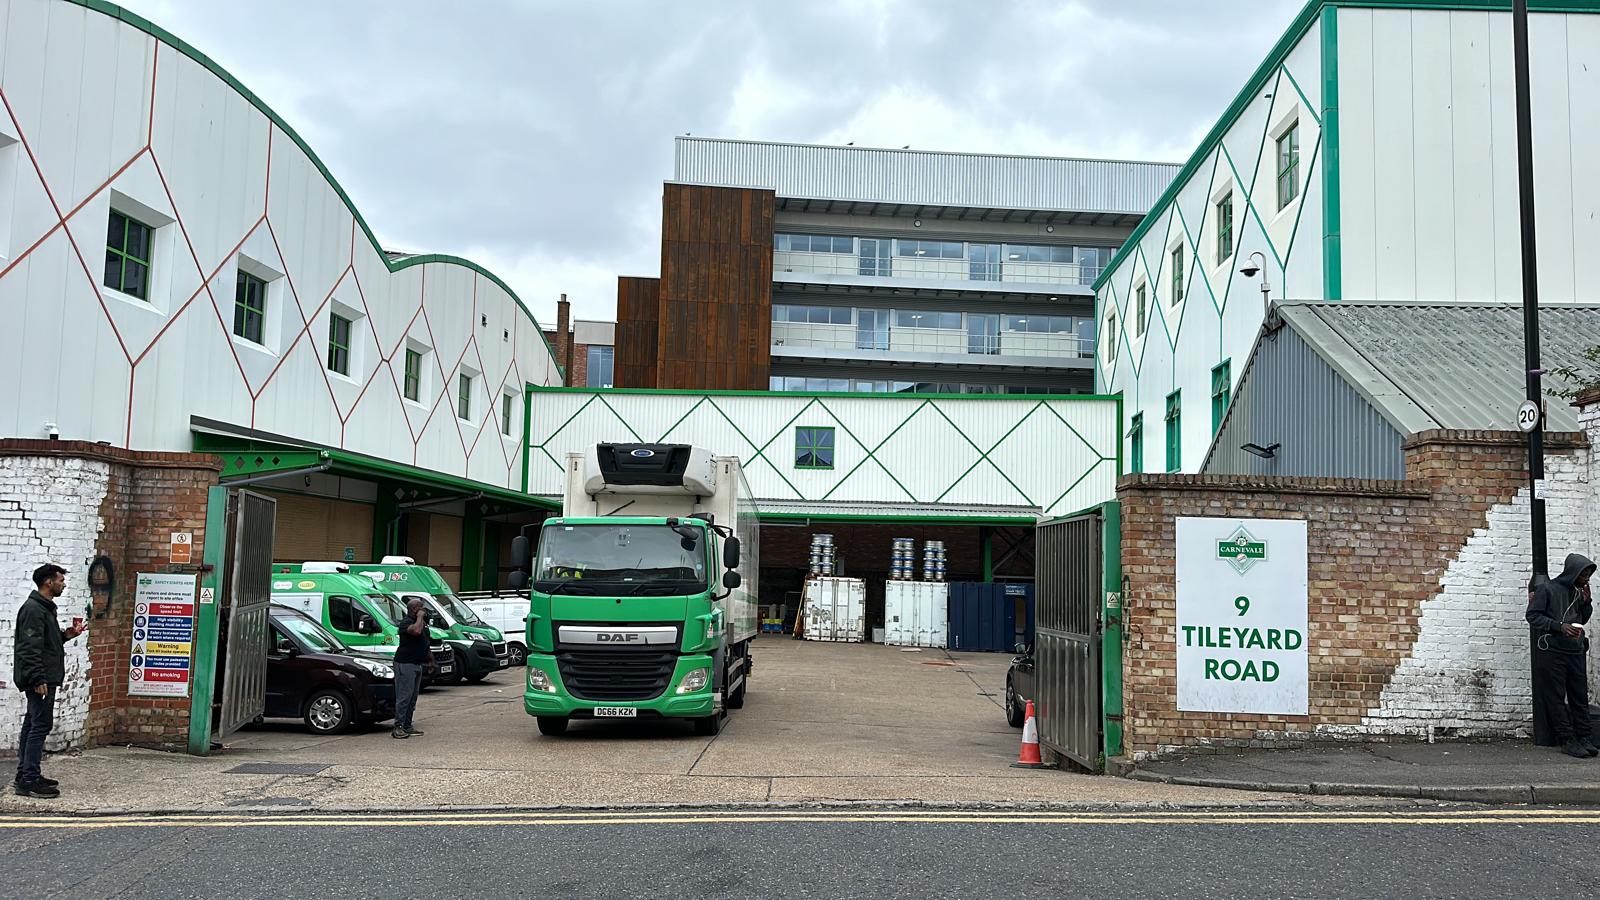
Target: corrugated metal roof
(933,178)
(1446,365)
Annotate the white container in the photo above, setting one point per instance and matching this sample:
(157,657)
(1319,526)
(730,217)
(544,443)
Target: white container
(916,613)
(835,610)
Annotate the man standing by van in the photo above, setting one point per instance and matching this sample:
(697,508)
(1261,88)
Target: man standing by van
(39,668)
(410,661)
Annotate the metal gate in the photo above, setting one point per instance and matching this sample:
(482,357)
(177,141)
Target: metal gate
(247,585)
(1069,571)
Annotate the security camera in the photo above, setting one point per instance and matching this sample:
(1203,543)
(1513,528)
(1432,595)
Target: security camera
(1249,270)
(52,432)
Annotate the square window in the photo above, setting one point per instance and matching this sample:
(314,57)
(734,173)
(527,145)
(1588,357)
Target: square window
(464,397)
(128,256)
(250,307)
(338,344)
(813,448)
(413,379)
(1289,165)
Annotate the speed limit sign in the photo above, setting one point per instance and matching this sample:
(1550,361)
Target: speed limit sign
(1527,416)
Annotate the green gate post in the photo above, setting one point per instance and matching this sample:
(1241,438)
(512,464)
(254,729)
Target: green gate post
(1111,634)
(203,680)
(491,556)
(472,546)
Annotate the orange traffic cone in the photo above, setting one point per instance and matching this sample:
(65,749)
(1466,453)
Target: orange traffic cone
(1029,757)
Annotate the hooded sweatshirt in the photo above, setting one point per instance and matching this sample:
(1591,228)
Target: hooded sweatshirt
(1559,602)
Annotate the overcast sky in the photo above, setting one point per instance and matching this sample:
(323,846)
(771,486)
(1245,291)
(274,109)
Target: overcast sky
(533,136)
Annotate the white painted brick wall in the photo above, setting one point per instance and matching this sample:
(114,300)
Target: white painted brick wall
(1469,667)
(49,512)
(1589,421)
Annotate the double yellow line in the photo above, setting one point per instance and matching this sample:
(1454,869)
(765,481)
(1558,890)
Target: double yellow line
(1257,817)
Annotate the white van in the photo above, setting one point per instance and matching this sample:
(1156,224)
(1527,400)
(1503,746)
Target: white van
(509,614)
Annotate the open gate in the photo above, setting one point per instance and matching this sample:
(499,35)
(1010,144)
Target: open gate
(247,589)
(1077,650)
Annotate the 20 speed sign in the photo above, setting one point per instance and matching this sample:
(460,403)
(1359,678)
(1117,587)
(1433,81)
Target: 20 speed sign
(1527,416)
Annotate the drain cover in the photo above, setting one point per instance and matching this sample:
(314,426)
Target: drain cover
(277,769)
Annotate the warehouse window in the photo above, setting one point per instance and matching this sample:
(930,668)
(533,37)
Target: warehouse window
(1136,444)
(506,401)
(1174,431)
(1139,312)
(1221,388)
(1289,165)
(813,448)
(338,344)
(1177,274)
(1111,337)
(249,307)
(413,381)
(1224,227)
(128,256)
(464,397)
(812,243)
(602,365)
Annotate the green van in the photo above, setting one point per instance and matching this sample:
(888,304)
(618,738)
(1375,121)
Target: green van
(356,608)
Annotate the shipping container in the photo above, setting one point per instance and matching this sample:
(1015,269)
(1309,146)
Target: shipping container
(916,613)
(991,617)
(835,610)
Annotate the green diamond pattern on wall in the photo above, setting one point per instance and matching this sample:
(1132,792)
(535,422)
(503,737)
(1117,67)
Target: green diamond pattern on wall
(1044,455)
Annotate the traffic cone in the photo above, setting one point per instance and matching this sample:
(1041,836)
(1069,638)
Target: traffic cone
(1029,757)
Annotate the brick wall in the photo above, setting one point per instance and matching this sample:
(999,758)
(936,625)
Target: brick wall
(86,500)
(1416,592)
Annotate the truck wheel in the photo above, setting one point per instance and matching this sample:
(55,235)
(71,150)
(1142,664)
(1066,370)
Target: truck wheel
(554,726)
(329,711)
(519,654)
(708,726)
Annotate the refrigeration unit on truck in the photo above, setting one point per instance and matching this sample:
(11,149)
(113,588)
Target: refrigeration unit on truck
(642,594)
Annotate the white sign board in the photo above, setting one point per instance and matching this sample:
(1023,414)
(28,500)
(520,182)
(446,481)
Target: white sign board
(163,635)
(1242,597)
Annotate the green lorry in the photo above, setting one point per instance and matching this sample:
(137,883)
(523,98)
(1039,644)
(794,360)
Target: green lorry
(642,593)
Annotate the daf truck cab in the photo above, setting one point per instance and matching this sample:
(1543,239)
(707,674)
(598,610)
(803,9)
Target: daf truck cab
(359,612)
(642,593)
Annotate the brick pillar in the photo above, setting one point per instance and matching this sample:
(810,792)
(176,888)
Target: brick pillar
(564,339)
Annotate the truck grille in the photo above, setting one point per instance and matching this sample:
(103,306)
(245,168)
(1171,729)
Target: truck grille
(616,673)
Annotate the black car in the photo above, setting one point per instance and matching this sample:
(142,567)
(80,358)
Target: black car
(1019,686)
(313,677)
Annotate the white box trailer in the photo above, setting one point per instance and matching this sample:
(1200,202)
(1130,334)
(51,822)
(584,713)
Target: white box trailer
(835,609)
(916,613)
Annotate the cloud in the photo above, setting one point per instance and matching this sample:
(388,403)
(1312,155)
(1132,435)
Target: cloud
(534,137)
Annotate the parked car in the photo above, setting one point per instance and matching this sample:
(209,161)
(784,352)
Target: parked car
(509,614)
(1019,686)
(314,677)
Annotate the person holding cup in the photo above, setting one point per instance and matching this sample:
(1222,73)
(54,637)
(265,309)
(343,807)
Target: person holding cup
(38,669)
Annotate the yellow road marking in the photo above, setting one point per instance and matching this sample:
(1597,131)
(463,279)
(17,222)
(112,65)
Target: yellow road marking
(1163,817)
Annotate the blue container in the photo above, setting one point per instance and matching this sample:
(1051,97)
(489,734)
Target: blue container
(984,616)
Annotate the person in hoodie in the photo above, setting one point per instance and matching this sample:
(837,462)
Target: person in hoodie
(1556,615)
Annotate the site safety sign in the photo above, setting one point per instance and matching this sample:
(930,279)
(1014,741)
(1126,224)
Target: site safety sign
(1242,615)
(163,635)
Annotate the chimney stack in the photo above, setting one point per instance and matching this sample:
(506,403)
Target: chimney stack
(564,339)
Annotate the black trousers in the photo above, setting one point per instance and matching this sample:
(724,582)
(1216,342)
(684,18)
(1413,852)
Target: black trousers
(1561,694)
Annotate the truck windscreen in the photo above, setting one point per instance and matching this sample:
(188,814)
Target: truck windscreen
(631,559)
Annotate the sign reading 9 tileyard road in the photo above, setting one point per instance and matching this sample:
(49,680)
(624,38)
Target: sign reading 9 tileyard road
(1242,615)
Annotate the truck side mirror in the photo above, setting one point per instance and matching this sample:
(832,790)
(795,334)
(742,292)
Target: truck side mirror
(731,579)
(730,553)
(519,579)
(521,552)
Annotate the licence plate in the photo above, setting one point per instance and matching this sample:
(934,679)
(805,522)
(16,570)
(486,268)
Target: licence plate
(615,712)
(447,669)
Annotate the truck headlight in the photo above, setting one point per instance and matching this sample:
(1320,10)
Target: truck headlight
(376,668)
(694,681)
(539,681)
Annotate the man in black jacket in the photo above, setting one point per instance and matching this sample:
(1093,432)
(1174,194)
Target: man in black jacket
(39,667)
(1556,615)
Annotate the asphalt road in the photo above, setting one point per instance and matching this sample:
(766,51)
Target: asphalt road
(1121,853)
